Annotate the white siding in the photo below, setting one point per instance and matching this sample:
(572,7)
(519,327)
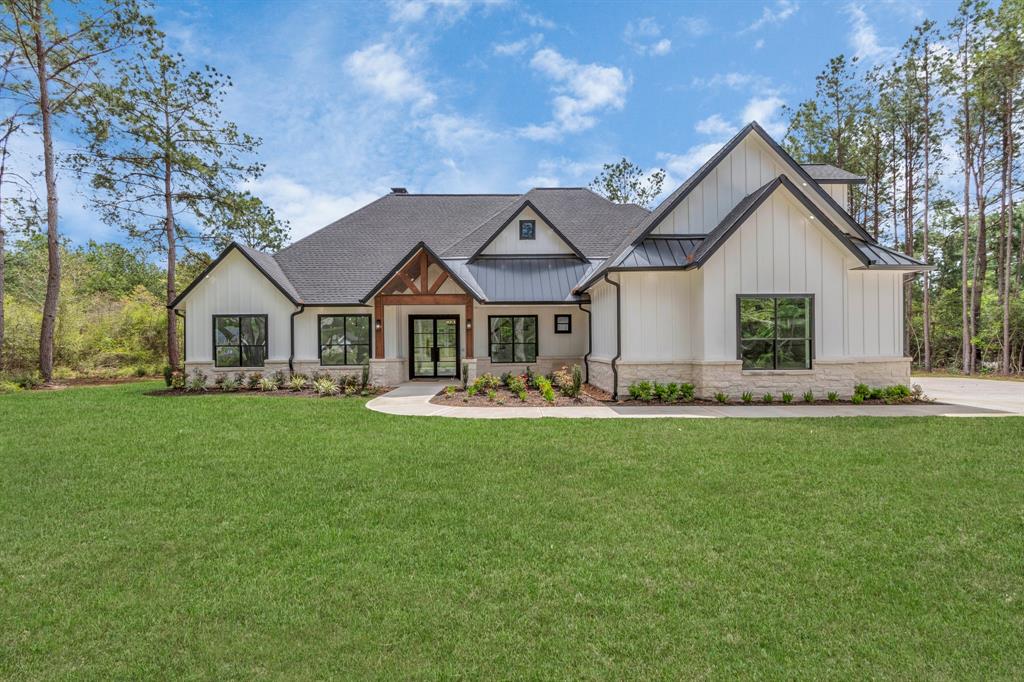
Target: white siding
(749,166)
(602,297)
(839,192)
(780,250)
(235,287)
(508,242)
(656,316)
(549,344)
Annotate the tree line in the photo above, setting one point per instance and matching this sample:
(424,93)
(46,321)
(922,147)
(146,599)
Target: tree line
(143,133)
(936,131)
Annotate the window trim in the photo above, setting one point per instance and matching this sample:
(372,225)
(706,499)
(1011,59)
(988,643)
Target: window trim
(532,222)
(536,326)
(266,341)
(320,344)
(810,329)
(568,318)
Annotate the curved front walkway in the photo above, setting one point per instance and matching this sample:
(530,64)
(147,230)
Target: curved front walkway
(414,399)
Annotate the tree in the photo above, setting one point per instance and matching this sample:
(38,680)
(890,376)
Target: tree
(61,51)
(626,183)
(164,165)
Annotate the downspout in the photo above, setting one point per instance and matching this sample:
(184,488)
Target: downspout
(184,336)
(590,344)
(291,340)
(618,337)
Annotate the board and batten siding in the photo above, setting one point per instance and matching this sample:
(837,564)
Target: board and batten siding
(840,192)
(549,344)
(752,164)
(508,243)
(236,287)
(602,297)
(307,329)
(780,250)
(657,320)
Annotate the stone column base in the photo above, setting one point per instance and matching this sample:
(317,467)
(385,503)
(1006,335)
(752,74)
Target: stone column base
(387,371)
(469,370)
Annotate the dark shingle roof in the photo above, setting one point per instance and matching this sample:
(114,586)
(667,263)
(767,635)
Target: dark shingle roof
(271,269)
(826,174)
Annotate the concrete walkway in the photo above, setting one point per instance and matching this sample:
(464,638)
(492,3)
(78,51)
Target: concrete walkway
(414,399)
(993,394)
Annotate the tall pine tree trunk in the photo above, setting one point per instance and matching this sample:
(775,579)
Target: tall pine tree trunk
(926,311)
(172,261)
(981,242)
(968,363)
(52,300)
(1007,226)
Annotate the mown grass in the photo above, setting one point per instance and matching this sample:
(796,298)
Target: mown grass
(254,537)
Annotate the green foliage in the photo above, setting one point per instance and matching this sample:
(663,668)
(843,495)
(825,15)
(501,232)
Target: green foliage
(642,390)
(667,393)
(267,384)
(516,384)
(808,396)
(196,382)
(486,382)
(624,182)
(471,390)
(545,388)
(492,395)
(723,398)
(228,385)
(253,381)
(326,386)
(767,398)
(686,392)
(857,399)
(297,382)
(863,390)
(364,377)
(833,397)
(787,398)
(450,391)
(747,397)
(178,380)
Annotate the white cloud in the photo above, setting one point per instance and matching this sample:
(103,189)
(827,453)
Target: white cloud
(644,36)
(538,21)
(782,10)
(765,110)
(715,125)
(447,11)
(694,26)
(582,91)
(307,210)
(382,70)
(683,165)
(455,132)
(519,46)
(759,43)
(863,37)
(734,80)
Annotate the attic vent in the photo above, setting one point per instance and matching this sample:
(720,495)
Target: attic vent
(399,190)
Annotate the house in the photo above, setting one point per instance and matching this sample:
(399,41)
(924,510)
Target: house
(751,275)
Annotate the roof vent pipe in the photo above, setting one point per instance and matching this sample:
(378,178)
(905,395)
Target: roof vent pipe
(399,190)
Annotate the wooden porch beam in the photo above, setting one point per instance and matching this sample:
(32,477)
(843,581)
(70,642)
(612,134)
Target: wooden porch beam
(442,278)
(424,268)
(424,299)
(409,282)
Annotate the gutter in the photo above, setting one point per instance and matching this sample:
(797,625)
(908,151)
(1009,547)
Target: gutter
(291,339)
(618,337)
(184,335)
(590,343)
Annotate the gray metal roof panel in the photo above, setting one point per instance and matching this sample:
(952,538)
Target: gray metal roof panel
(661,252)
(523,280)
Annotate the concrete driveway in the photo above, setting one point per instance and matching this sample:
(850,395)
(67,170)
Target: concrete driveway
(1005,396)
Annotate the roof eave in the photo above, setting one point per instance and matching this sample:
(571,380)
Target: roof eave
(223,254)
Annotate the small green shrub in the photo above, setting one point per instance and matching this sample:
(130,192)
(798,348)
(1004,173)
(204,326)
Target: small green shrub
(325,386)
(516,384)
(863,390)
(178,380)
(531,377)
(808,396)
(9,386)
(449,391)
(492,395)
(787,398)
(278,378)
(364,377)
(196,382)
(577,381)
(350,389)
(858,398)
(253,382)
(297,382)
(168,371)
(267,384)
(767,398)
(833,397)
(465,375)
(722,397)
(898,393)
(471,390)
(522,395)
(140,371)
(229,385)
(642,390)
(667,393)
(686,392)
(505,377)
(747,397)
(487,382)
(545,388)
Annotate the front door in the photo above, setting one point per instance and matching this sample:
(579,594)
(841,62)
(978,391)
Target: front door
(434,346)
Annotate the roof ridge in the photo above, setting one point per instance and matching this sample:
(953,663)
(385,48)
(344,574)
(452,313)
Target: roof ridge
(481,225)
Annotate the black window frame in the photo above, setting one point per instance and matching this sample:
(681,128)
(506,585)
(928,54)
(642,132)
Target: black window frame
(240,345)
(533,233)
(320,341)
(568,323)
(513,361)
(810,338)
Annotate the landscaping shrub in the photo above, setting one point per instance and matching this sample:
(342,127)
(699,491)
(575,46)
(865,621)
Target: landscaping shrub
(297,382)
(531,377)
(863,390)
(196,382)
(767,398)
(325,386)
(506,377)
(545,388)
(168,371)
(267,384)
(686,392)
(858,398)
(465,375)
(898,393)
(787,398)
(808,396)
(516,384)
(228,385)
(492,395)
(833,397)
(747,397)
(562,378)
(667,393)
(253,382)
(722,397)
(641,390)
(8,386)
(178,380)
(278,378)
(471,390)
(449,391)
(487,382)
(364,377)
(577,381)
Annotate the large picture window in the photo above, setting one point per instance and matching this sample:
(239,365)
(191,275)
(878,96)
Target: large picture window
(775,332)
(239,340)
(513,338)
(344,339)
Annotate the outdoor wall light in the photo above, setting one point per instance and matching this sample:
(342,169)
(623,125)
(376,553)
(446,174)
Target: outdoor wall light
(469,324)
(378,325)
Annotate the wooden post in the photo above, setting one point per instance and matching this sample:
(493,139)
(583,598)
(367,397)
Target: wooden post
(378,327)
(424,266)
(469,327)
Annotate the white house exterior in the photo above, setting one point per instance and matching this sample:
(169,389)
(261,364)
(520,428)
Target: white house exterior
(751,276)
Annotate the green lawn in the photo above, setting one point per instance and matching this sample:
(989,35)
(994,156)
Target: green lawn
(234,536)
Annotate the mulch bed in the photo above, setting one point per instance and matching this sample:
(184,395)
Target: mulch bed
(506,398)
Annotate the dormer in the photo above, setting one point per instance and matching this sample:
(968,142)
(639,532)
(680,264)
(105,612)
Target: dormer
(528,232)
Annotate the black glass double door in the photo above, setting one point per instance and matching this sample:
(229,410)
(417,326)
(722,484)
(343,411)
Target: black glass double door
(434,344)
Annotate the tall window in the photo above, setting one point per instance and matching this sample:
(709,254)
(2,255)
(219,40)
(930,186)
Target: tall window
(239,340)
(344,339)
(775,332)
(527,229)
(513,338)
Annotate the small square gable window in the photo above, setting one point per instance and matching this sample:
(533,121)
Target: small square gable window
(527,229)
(563,324)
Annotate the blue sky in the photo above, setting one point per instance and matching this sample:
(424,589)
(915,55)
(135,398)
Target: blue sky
(456,96)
